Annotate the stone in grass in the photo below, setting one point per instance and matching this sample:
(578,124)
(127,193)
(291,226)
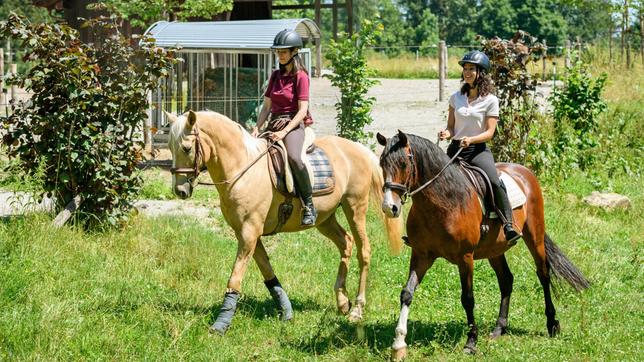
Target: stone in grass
(608,201)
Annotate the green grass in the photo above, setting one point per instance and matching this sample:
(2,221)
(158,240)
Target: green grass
(150,291)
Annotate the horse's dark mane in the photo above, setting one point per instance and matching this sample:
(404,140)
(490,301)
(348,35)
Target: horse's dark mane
(448,190)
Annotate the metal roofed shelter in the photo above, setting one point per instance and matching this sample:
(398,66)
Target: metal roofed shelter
(225,64)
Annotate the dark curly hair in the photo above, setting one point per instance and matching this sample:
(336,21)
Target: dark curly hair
(483,82)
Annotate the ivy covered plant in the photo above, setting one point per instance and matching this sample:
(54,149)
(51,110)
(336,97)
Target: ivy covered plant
(351,76)
(83,123)
(514,88)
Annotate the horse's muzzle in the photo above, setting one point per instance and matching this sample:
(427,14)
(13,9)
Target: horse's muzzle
(183,190)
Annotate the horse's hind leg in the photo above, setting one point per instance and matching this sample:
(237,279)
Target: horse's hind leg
(332,230)
(534,236)
(505,279)
(466,272)
(272,283)
(356,213)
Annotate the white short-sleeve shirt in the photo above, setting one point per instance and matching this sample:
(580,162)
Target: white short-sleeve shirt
(470,117)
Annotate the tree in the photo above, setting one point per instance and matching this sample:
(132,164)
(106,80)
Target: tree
(456,19)
(145,12)
(588,19)
(496,18)
(26,9)
(542,19)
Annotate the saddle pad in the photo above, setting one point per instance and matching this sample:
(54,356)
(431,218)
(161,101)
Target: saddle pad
(515,194)
(323,179)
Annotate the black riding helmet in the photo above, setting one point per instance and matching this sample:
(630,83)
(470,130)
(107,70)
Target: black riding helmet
(287,39)
(476,57)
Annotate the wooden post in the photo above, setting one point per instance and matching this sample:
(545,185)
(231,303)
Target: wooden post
(441,70)
(628,54)
(317,13)
(2,100)
(641,17)
(335,19)
(64,215)
(578,49)
(349,4)
(543,60)
(14,88)
(318,57)
(568,50)
(610,46)
(180,108)
(147,124)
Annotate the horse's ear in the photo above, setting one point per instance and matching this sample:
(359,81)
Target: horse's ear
(192,118)
(170,117)
(402,138)
(381,139)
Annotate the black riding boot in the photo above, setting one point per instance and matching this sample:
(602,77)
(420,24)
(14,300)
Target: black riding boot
(503,204)
(304,189)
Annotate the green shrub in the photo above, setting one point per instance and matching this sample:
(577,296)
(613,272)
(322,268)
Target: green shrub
(351,77)
(576,110)
(84,118)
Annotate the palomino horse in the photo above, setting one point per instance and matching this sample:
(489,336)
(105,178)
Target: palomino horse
(444,221)
(238,165)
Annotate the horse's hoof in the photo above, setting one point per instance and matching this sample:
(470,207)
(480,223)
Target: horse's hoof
(356,315)
(470,350)
(497,332)
(344,308)
(216,331)
(399,354)
(554,329)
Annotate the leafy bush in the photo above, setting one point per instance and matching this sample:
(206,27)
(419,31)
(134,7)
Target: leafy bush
(350,75)
(576,110)
(84,118)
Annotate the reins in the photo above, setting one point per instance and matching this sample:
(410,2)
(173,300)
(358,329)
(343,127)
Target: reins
(199,154)
(404,188)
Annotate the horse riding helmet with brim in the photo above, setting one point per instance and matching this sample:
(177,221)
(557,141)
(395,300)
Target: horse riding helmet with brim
(476,57)
(287,39)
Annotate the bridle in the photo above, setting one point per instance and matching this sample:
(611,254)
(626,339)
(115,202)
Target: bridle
(199,156)
(405,194)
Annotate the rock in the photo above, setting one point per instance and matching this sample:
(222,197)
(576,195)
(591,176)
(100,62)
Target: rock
(608,201)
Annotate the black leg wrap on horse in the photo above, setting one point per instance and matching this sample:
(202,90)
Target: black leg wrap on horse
(281,299)
(226,313)
(406,297)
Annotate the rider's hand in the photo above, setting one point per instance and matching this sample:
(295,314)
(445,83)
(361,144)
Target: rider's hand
(254,132)
(466,141)
(276,136)
(444,134)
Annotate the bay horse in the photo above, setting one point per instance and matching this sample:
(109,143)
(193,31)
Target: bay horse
(445,221)
(238,164)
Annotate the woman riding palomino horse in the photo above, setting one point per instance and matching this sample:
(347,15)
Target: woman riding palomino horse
(287,100)
(238,165)
(472,118)
(445,219)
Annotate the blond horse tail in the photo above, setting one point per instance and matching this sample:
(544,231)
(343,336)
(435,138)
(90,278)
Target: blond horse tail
(394,226)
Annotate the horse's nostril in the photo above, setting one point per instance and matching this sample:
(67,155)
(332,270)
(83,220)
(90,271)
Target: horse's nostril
(394,209)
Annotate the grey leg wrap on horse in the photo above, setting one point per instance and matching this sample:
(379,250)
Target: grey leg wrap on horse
(281,298)
(226,313)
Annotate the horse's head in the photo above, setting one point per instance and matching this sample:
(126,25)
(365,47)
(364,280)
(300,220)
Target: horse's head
(188,156)
(397,165)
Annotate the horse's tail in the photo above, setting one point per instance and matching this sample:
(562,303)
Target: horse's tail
(562,267)
(394,226)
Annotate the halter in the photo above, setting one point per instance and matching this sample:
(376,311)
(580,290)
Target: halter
(404,188)
(196,169)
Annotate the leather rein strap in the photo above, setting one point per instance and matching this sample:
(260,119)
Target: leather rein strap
(196,170)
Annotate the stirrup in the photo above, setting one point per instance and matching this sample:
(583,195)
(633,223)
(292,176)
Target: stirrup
(511,236)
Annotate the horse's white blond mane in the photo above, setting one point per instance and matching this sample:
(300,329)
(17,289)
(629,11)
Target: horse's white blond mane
(254,146)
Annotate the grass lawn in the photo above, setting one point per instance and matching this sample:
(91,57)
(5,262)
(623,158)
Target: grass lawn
(151,290)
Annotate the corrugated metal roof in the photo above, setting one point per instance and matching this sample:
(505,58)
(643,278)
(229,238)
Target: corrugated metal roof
(245,34)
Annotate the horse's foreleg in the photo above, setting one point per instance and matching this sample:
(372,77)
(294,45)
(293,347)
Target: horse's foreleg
(272,283)
(356,214)
(505,279)
(245,247)
(466,272)
(417,268)
(332,230)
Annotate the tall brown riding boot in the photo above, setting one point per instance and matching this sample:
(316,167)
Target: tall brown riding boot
(505,213)
(304,189)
